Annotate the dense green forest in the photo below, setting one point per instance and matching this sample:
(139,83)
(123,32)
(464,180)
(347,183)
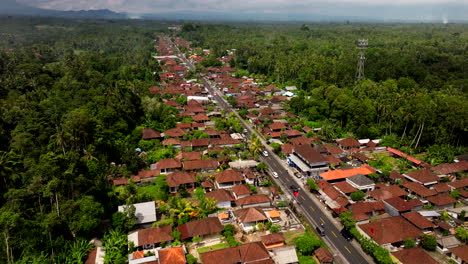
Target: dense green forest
(414,94)
(69,107)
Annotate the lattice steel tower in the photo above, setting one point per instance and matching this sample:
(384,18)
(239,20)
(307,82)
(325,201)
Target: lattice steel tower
(362,45)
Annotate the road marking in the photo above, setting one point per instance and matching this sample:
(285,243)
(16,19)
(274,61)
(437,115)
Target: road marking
(334,234)
(311,208)
(303,198)
(322,220)
(347,249)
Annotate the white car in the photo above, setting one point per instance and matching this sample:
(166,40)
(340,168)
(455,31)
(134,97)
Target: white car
(265,153)
(275,174)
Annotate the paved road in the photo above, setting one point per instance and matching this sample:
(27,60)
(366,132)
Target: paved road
(347,253)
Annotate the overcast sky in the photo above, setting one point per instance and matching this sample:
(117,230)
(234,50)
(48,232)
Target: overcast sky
(387,9)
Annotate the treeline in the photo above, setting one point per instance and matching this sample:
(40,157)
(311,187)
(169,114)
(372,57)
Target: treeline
(415,90)
(69,107)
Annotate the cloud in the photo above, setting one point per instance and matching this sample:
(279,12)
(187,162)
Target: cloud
(389,8)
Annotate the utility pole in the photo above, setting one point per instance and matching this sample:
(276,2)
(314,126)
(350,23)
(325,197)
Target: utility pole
(362,45)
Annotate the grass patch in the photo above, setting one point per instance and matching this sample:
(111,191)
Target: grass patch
(305,259)
(149,190)
(213,247)
(291,235)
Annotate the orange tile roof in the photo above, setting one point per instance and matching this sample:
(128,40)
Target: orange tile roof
(223,215)
(173,255)
(274,213)
(341,174)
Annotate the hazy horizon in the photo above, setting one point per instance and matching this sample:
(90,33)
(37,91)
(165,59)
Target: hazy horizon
(391,10)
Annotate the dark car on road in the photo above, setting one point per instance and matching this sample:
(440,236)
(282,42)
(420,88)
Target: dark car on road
(346,234)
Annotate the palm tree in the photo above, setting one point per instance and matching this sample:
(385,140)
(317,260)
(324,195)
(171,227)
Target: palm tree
(181,210)
(255,145)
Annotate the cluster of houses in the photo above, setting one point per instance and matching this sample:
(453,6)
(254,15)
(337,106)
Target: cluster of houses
(408,205)
(246,207)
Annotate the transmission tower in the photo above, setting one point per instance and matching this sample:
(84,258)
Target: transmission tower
(362,45)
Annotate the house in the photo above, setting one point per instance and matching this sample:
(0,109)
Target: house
(174,132)
(459,254)
(419,221)
(419,190)
(277,126)
(201,118)
(174,255)
(333,150)
(274,216)
(260,200)
(323,256)
(200,143)
(172,142)
(444,244)
(273,240)
(149,238)
(387,192)
(361,182)
(145,212)
(413,256)
(397,153)
(345,187)
(441,201)
(451,168)
(223,198)
(396,205)
(149,133)
(363,211)
(339,174)
(396,176)
(228,178)
(308,160)
(248,253)
(284,255)
(348,143)
(201,165)
(423,176)
(241,191)
(184,156)
(379,231)
(176,179)
(248,218)
(168,165)
(201,227)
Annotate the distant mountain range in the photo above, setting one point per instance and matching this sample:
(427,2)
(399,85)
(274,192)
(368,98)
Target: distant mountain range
(11,7)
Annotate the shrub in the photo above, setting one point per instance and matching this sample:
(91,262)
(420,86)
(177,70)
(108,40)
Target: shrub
(191,259)
(428,242)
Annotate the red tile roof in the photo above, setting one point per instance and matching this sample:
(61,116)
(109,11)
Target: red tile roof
(200,118)
(452,167)
(149,133)
(419,189)
(201,164)
(251,214)
(200,227)
(174,132)
(387,192)
(459,183)
(293,133)
(229,175)
(193,155)
(277,126)
(154,235)
(414,256)
(424,176)
(253,199)
(399,204)
(441,187)
(400,230)
(181,177)
(168,164)
(201,142)
(254,253)
(349,142)
(272,238)
(323,255)
(220,195)
(418,220)
(173,255)
(345,187)
(333,149)
(461,252)
(287,148)
(241,189)
(332,160)
(310,154)
(441,199)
